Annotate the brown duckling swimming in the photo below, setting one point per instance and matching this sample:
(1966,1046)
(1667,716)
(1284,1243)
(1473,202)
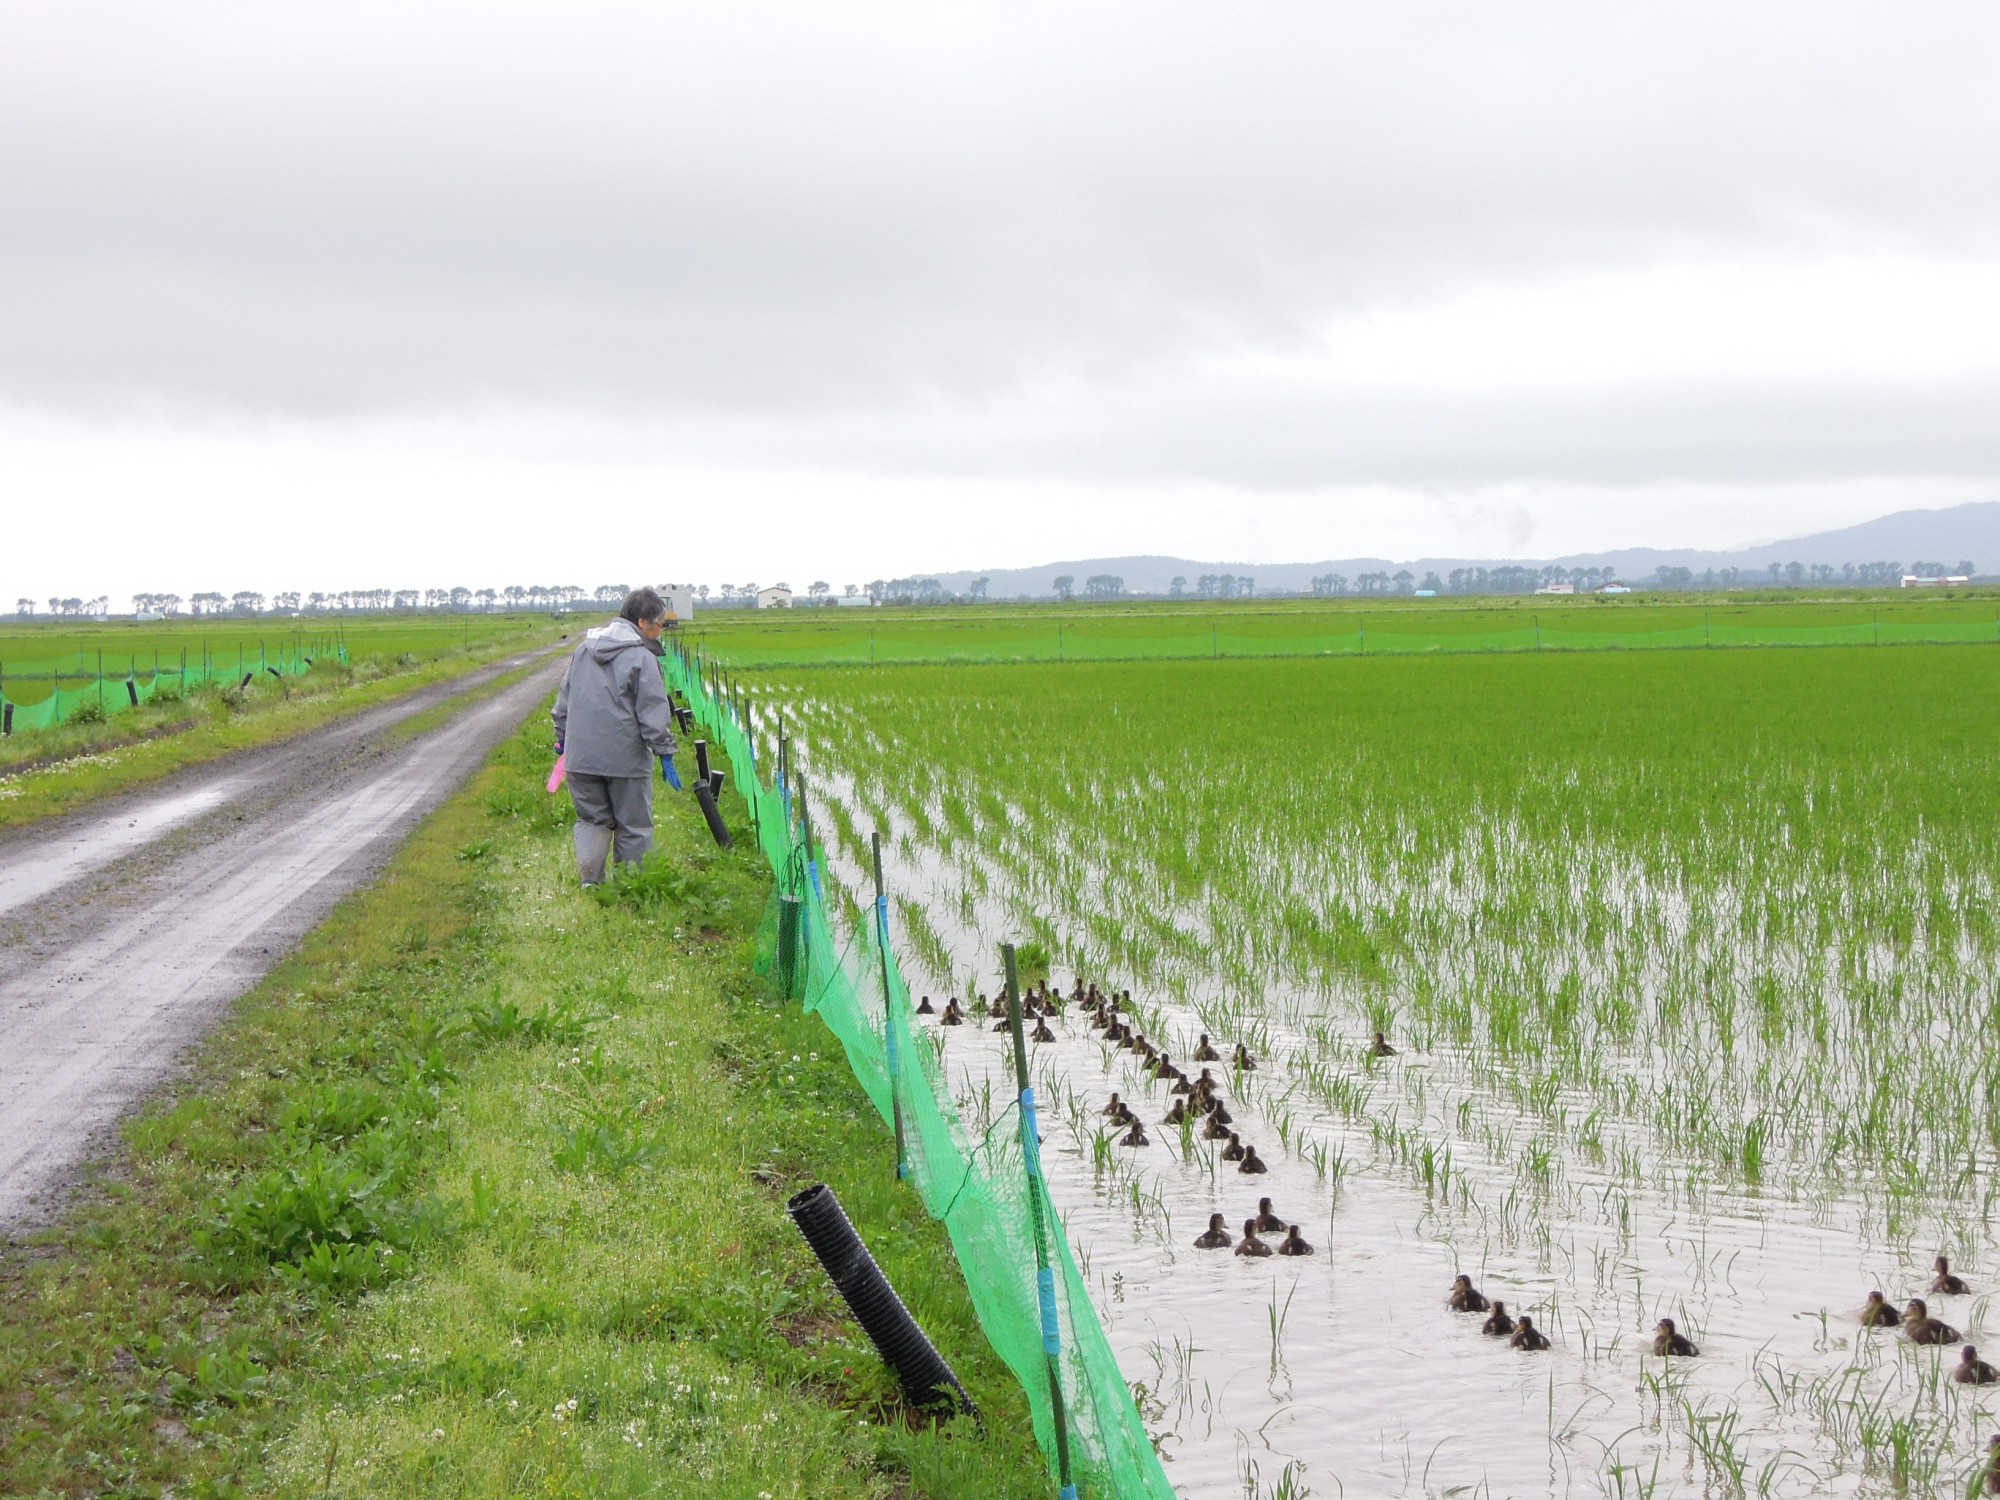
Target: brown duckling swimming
(1214,1130)
(924,1007)
(1497,1325)
(1243,1060)
(1252,1162)
(1877,1313)
(997,1008)
(1972,1370)
(1041,1033)
(1268,1221)
(1380,1047)
(1217,1113)
(1294,1243)
(952,1016)
(1944,1284)
(1217,1237)
(1181,1084)
(1136,1136)
(1159,1064)
(1177,1114)
(1527,1335)
(1919,1327)
(1465,1297)
(1993,1465)
(1204,1051)
(1668,1339)
(1234,1150)
(1115,1108)
(1250,1244)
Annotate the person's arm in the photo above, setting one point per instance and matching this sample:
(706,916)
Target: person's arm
(559,715)
(650,707)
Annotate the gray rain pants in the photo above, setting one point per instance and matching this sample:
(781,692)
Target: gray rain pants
(610,808)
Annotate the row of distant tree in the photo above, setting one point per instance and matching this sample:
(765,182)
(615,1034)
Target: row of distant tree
(1508,579)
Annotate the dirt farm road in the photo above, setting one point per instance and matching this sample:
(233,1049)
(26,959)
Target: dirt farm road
(129,927)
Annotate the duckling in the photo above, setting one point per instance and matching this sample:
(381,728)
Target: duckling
(997,1008)
(1028,1006)
(1465,1297)
(1267,1217)
(1206,1083)
(1294,1243)
(1668,1340)
(1972,1370)
(1214,1130)
(1993,1465)
(1181,1084)
(1002,1025)
(1944,1284)
(1130,1040)
(1041,1033)
(1204,1051)
(1877,1313)
(1159,1064)
(1380,1047)
(1919,1327)
(1217,1237)
(1217,1113)
(1250,1244)
(1136,1136)
(952,1016)
(924,1007)
(1177,1114)
(1243,1060)
(1125,1116)
(1115,1107)
(1497,1325)
(1234,1150)
(1527,1335)
(1251,1162)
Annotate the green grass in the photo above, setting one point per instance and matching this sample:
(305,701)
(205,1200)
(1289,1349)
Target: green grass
(481,1193)
(54,770)
(30,651)
(1184,629)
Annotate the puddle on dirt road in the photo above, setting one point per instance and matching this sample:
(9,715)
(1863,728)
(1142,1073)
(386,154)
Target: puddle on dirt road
(93,844)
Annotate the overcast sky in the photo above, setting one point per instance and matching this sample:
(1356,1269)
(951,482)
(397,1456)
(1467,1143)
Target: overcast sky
(322,296)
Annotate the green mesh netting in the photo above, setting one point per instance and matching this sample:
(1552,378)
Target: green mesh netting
(113,692)
(984,1191)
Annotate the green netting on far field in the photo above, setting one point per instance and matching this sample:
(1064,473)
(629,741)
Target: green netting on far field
(984,1191)
(41,695)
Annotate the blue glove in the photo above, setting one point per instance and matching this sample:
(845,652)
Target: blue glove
(668,774)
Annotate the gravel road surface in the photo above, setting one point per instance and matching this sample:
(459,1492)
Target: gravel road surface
(127,929)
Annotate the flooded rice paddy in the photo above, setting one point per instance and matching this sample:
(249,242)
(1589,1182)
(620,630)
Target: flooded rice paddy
(1693,1009)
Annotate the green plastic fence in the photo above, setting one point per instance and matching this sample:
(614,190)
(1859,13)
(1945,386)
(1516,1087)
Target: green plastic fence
(114,692)
(1006,642)
(982,1191)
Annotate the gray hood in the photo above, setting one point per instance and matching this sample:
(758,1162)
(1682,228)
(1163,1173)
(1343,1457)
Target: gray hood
(606,641)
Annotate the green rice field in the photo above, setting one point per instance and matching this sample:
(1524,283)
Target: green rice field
(1689,960)
(1175,630)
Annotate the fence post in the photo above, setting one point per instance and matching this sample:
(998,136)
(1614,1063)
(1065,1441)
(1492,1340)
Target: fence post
(889,1047)
(1045,1277)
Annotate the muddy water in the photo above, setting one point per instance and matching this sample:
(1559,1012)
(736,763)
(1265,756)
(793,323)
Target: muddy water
(1343,1373)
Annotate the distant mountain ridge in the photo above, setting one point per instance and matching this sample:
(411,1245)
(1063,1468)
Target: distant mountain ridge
(1958,533)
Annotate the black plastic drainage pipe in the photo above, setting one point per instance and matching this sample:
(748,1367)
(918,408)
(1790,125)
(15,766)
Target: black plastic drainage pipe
(704,793)
(921,1371)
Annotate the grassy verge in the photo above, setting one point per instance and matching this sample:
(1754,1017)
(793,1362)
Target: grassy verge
(481,1193)
(51,771)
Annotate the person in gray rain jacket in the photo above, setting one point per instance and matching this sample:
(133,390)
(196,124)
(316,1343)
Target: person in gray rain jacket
(612,722)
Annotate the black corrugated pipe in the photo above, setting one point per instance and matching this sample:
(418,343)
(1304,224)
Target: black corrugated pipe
(925,1377)
(706,784)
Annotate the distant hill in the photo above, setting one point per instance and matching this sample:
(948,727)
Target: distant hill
(1961,533)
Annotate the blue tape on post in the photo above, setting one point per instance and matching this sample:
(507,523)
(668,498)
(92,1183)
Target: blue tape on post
(812,869)
(1067,1492)
(1045,1289)
(882,918)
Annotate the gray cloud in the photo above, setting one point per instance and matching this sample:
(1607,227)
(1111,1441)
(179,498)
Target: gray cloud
(878,236)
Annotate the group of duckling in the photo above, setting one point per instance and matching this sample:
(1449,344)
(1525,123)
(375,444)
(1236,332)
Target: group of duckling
(1264,1221)
(1520,1333)
(1919,1327)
